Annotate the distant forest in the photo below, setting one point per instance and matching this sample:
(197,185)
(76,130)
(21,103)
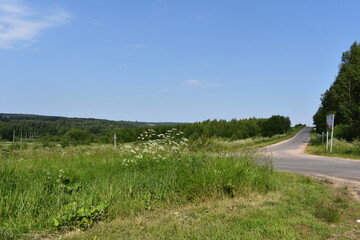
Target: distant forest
(233,130)
(39,126)
(74,131)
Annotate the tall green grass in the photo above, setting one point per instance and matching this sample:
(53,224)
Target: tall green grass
(341,148)
(300,208)
(49,189)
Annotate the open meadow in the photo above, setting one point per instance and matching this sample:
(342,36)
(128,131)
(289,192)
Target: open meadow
(163,187)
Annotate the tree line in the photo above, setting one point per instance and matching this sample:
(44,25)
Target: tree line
(30,126)
(234,129)
(343,98)
(52,130)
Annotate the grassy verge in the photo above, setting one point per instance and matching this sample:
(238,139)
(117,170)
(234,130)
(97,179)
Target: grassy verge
(299,209)
(49,190)
(341,148)
(218,145)
(159,189)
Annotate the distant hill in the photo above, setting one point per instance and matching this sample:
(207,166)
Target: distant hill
(54,125)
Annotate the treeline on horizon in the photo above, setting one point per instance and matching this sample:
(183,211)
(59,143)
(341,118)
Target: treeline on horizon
(234,129)
(36,125)
(343,98)
(74,131)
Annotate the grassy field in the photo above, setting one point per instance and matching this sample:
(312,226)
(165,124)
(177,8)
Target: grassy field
(341,148)
(161,189)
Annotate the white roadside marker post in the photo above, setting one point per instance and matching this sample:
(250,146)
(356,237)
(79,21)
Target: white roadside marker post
(330,126)
(332,133)
(115,141)
(327,140)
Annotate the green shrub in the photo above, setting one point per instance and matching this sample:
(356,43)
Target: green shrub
(76,137)
(79,215)
(47,141)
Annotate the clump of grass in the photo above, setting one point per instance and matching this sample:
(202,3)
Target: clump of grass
(328,212)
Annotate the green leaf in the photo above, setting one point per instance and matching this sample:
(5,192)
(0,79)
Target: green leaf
(80,210)
(56,222)
(85,220)
(101,207)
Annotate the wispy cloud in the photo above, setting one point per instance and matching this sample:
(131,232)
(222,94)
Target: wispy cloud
(20,25)
(97,24)
(201,84)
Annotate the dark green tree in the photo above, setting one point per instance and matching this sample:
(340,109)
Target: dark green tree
(343,96)
(275,125)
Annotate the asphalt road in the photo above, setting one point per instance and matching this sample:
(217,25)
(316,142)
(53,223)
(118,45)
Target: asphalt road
(289,156)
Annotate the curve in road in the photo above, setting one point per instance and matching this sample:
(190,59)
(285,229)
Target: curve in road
(289,156)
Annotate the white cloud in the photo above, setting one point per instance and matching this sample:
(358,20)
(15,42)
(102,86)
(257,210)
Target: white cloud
(192,83)
(198,83)
(21,25)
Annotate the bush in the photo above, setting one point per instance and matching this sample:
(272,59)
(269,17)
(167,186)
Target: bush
(343,131)
(17,146)
(76,137)
(47,141)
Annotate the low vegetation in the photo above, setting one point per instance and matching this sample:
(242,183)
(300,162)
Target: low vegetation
(159,187)
(48,189)
(228,146)
(299,208)
(341,148)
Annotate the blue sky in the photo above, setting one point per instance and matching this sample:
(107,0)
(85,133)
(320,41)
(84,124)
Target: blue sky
(181,61)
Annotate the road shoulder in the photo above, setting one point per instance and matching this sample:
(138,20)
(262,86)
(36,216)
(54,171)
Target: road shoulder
(351,185)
